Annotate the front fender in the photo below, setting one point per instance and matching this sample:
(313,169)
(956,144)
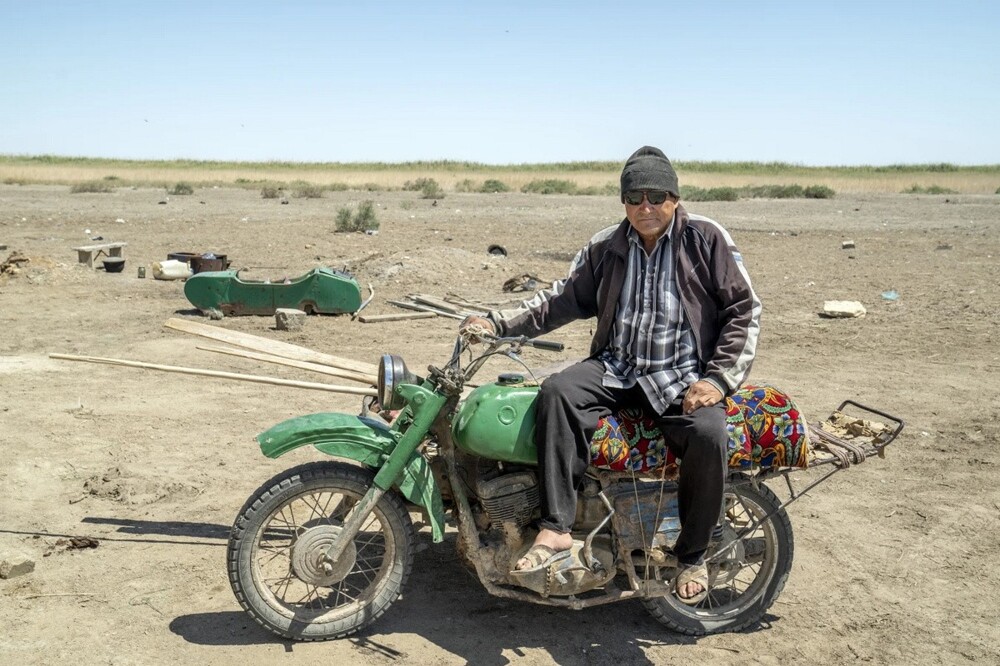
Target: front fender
(366,441)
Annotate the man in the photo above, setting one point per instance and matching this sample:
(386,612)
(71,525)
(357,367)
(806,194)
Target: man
(677,328)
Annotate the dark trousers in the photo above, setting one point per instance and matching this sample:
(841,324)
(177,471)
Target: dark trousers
(571,402)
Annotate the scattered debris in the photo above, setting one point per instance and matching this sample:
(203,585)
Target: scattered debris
(289,319)
(13,264)
(525,282)
(843,309)
(847,245)
(171,269)
(13,565)
(855,429)
(72,543)
(891,295)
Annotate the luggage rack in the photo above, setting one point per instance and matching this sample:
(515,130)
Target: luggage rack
(841,452)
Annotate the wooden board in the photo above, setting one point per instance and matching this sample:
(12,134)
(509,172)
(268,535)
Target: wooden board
(268,346)
(355,390)
(403,316)
(292,363)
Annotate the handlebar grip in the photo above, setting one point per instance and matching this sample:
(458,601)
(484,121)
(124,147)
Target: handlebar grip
(548,345)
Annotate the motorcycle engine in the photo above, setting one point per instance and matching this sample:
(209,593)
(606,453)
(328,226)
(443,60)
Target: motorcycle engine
(509,497)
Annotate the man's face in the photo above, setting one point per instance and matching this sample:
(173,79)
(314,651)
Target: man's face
(648,219)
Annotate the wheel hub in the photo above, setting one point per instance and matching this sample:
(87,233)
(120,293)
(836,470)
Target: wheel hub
(730,559)
(309,550)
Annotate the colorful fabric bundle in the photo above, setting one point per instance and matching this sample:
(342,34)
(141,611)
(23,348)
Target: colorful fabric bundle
(765,427)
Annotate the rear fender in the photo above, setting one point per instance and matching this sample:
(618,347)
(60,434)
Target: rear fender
(366,441)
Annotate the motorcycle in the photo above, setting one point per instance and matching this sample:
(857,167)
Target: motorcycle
(323,549)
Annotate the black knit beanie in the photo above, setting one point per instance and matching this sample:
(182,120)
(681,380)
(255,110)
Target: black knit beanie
(649,169)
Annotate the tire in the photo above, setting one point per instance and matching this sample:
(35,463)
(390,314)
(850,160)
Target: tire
(750,577)
(275,542)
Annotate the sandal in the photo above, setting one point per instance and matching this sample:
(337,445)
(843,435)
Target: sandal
(538,556)
(692,573)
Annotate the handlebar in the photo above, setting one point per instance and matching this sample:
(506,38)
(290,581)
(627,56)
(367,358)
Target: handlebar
(547,345)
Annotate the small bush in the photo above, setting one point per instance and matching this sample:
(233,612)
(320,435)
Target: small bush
(362,220)
(818,192)
(931,189)
(96,186)
(406,205)
(24,181)
(492,186)
(467,185)
(308,191)
(419,184)
(270,192)
(112,178)
(599,190)
(431,190)
(344,216)
(550,186)
(773,192)
(711,194)
(181,189)
(338,187)
(365,220)
(372,187)
(998,191)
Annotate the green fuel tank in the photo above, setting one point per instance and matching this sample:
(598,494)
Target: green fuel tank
(497,421)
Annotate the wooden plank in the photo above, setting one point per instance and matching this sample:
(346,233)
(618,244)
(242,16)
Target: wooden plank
(332,388)
(474,307)
(402,316)
(424,308)
(268,346)
(436,302)
(101,246)
(302,365)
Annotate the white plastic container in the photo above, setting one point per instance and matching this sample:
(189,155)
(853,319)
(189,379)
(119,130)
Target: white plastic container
(171,269)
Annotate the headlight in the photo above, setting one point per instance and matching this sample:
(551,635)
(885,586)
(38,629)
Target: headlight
(391,373)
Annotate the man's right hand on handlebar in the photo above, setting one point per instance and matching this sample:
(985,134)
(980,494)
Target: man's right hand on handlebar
(473,326)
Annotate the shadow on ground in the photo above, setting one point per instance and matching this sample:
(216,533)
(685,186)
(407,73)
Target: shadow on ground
(445,604)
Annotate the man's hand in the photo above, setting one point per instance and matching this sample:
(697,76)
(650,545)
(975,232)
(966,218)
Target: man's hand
(473,326)
(700,394)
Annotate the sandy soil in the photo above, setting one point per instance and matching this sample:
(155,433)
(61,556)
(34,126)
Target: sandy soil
(895,559)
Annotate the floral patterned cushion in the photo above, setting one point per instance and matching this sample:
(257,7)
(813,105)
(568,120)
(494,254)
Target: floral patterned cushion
(765,427)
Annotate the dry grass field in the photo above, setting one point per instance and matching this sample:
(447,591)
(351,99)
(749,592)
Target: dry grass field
(388,177)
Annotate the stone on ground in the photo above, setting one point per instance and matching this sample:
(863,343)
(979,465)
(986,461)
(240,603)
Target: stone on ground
(289,319)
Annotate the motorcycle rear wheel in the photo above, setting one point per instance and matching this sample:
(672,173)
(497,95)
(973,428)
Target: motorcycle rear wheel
(753,574)
(284,528)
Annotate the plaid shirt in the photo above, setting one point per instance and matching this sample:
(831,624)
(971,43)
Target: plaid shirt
(651,342)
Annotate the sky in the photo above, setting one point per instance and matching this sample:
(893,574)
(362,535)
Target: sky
(504,82)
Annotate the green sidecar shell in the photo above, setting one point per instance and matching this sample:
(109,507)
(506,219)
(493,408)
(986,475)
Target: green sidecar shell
(363,440)
(320,291)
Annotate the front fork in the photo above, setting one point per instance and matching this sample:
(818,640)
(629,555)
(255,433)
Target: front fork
(426,406)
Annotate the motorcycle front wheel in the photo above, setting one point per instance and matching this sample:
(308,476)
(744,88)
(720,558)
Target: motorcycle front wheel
(745,576)
(278,540)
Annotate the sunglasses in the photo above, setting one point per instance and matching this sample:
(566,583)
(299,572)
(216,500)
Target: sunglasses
(655,198)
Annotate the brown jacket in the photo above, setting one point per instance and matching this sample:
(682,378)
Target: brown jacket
(715,292)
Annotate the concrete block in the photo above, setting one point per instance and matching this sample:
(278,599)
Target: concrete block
(843,309)
(15,564)
(289,319)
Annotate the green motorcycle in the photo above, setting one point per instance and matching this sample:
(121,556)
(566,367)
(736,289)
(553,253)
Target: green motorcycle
(323,549)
